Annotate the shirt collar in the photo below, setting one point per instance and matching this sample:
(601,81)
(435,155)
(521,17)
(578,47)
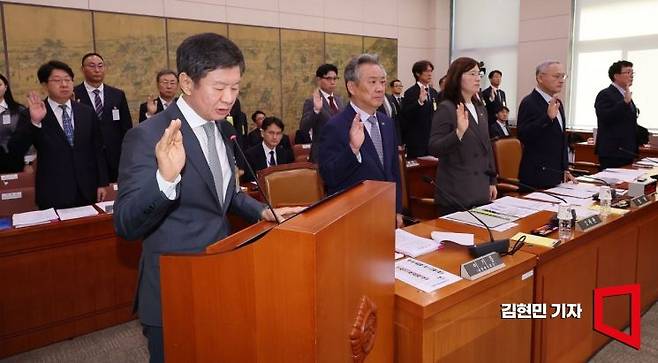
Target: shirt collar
(193,119)
(545,95)
(267,149)
(621,90)
(421,85)
(91,88)
(501,123)
(325,94)
(362,114)
(55,106)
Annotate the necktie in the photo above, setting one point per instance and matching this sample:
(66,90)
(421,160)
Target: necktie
(376,137)
(429,95)
(67,125)
(98,104)
(272,159)
(332,105)
(213,160)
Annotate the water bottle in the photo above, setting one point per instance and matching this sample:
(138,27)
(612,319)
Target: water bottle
(564,218)
(605,199)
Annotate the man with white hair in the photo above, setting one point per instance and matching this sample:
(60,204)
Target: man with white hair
(541,127)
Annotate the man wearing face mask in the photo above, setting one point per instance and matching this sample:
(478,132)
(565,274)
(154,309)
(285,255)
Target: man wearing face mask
(616,116)
(541,129)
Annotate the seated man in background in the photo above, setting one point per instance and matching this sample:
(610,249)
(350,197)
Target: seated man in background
(167,81)
(269,152)
(499,128)
(255,136)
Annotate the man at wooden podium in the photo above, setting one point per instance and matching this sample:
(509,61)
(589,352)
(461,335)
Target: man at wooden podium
(359,143)
(176,173)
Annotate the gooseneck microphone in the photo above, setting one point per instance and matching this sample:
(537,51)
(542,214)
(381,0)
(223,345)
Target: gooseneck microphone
(523,185)
(500,246)
(613,191)
(229,131)
(636,155)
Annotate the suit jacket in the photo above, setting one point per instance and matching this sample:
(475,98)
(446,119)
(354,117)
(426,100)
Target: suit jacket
(544,143)
(496,131)
(188,223)
(311,120)
(159,105)
(256,157)
(111,131)
(464,164)
(64,172)
(9,163)
(302,137)
(617,124)
(255,138)
(395,115)
(339,166)
(239,122)
(417,120)
(492,106)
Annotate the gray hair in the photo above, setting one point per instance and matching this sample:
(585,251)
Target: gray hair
(541,67)
(352,68)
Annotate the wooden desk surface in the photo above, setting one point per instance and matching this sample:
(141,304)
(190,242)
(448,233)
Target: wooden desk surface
(585,152)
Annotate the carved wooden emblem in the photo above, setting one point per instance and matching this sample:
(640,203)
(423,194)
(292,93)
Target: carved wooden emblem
(364,329)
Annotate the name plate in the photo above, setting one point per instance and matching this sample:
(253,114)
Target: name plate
(588,223)
(640,201)
(481,266)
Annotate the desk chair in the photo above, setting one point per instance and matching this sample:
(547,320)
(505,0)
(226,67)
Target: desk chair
(507,154)
(291,184)
(301,152)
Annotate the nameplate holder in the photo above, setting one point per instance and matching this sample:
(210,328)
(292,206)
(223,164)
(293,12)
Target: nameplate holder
(640,201)
(588,223)
(481,266)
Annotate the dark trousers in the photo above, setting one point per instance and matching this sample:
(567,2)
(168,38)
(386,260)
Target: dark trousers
(155,342)
(614,162)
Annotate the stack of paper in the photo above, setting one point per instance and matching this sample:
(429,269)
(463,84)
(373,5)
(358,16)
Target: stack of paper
(107,207)
(490,219)
(571,192)
(77,212)
(412,245)
(464,239)
(423,276)
(552,199)
(523,203)
(507,209)
(33,218)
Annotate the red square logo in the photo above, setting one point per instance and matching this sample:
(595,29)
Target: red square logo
(632,340)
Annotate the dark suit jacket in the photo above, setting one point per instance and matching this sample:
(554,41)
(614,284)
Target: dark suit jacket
(311,120)
(302,137)
(189,223)
(64,173)
(463,166)
(395,110)
(492,106)
(254,138)
(617,125)
(339,166)
(111,131)
(256,157)
(160,108)
(417,120)
(496,131)
(239,122)
(544,143)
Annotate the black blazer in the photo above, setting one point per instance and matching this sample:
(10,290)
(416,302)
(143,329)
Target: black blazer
(496,131)
(417,120)
(143,109)
(492,106)
(544,143)
(256,157)
(64,172)
(617,123)
(302,137)
(311,120)
(112,132)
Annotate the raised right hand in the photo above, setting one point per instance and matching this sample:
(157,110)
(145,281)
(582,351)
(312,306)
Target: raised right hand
(151,105)
(628,95)
(36,106)
(169,151)
(422,97)
(317,101)
(462,120)
(357,134)
(553,107)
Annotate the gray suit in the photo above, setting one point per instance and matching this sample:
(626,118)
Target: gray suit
(316,121)
(463,165)
(188,223)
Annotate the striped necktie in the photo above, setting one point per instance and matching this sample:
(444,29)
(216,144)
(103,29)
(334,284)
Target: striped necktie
(67,124)
(376,137)
(98,104)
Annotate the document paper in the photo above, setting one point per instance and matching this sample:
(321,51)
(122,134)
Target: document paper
(423,276)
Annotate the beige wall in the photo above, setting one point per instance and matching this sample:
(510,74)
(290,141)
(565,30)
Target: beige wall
(421,26)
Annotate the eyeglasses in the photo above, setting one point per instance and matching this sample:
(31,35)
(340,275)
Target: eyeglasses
(331,79)
(474,74)
(630,73)
(61,80)
(168,83)
(562,76)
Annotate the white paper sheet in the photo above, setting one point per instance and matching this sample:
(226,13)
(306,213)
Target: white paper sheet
(77,212)
(523,203)
(107,207)
(33,218)
(464,217)
(412,245)
(509,210)
(423,276)
(464,239)
(570,200)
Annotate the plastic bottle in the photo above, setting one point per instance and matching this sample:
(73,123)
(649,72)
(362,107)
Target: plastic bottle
(564,218)
(605,199)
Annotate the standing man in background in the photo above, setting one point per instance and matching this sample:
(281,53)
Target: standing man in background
(418,106)
(616,118)
(494,97)
(541,127)
(167,81)
(321,106)
(395,100)
(111,108)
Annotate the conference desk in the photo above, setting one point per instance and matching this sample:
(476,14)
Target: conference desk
(63,279)
(585,152)
(621,251)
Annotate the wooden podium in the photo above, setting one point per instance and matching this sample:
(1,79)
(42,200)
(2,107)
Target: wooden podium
(316,288)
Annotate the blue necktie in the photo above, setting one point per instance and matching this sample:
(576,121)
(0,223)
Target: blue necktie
(67,125)
(376,137)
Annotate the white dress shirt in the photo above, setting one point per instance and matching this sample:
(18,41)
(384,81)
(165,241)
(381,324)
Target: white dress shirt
(90,90)
(267,150)
(471,109)
(364,119)
(196,123)
(58,113)
(548,97)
